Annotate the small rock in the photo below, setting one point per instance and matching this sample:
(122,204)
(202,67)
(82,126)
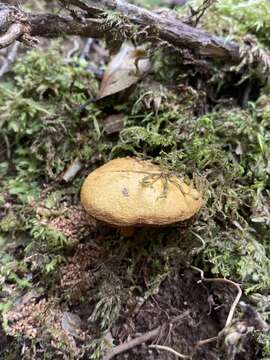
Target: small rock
(71,323)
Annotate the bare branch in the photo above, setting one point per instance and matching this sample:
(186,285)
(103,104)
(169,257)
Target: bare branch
(197,14)
(14,32)
(132,343)
(182,356)
(174,31)
(138,23)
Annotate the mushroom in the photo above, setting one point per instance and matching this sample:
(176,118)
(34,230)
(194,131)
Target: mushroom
(127,193)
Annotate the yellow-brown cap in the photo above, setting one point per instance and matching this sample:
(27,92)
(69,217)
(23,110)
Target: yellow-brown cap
(132,192)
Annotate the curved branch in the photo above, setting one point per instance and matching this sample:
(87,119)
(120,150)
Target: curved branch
(14,32)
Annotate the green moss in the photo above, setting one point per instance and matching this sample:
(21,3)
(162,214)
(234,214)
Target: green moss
(9,223)
(236,18)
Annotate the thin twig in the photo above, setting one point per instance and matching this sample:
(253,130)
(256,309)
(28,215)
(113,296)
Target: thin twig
(132,343)
(86,49)
(182,356)
(237,299)
(206,341)
(167,348)
(7,146)
(141,339)
(198,249)
(196,15)
(10,58)
(74,49)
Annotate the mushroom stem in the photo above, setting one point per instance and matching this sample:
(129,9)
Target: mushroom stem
(127,231)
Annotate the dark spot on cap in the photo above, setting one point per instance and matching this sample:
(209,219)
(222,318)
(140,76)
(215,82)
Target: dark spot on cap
(125,192)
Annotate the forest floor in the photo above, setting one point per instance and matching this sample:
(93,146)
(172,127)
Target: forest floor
(71,288)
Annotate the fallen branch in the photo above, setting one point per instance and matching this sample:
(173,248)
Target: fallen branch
(178,34)
(136,23)
(172,30)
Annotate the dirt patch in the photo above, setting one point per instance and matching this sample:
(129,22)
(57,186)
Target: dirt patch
(94,289)
(204,311)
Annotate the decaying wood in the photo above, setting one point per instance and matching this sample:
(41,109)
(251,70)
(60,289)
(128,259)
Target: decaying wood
(146,25)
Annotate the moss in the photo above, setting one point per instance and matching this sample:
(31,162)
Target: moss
(235,18)
(9,223)
(224,149)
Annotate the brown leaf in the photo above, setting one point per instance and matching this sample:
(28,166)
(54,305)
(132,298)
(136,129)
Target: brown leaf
(125,69)
(114,124)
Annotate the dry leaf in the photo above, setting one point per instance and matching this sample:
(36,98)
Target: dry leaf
(114,124)
(125,69)
(71,323)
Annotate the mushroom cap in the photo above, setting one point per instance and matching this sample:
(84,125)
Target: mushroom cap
(132,192)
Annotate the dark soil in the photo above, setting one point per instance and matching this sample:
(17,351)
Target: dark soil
(206,309)
(202,308)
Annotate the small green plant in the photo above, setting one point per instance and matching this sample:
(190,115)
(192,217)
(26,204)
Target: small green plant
(108,302)
(53,239)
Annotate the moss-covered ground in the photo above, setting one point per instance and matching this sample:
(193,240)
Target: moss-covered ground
(55,262)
